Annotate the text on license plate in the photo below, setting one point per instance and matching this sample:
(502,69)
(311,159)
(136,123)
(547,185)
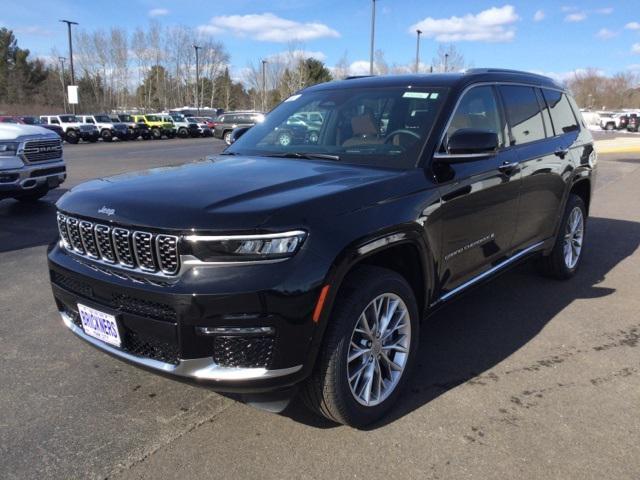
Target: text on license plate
(99,325)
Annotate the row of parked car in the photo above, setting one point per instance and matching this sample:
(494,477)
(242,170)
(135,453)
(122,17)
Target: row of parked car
(93,127)
(629,121)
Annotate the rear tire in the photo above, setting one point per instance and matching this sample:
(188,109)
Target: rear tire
(183,133)
(227,137)
(565,258)
(361,391)
(157,134)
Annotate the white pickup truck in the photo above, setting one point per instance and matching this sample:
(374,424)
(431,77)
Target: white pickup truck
(31,161)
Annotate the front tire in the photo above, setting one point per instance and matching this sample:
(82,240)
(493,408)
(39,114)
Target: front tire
(227,137)
(72,137)
(156,133)
(368,349)
(106,136)
(563,261)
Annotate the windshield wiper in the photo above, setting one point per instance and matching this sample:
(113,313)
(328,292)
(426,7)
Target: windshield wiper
(307,155)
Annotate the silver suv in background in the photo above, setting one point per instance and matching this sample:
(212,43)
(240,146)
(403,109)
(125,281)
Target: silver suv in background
(227,122)
(74,129)
(31,161)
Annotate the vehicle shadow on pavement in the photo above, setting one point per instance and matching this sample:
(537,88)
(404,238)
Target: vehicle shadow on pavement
(26,225)
(490,323)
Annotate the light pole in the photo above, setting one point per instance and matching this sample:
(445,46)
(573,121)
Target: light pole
(64,93)
(73,77)
(418,32)
(264,86)
(373,34)
(196,48)
(446,62)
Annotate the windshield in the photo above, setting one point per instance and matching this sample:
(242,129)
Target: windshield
(374,126)
(178,118)
(31,120)
(68,119)
(152,118)
(102,118)
(126,118)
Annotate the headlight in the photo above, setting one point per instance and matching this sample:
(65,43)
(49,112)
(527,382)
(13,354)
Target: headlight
(244,248)
(8,149)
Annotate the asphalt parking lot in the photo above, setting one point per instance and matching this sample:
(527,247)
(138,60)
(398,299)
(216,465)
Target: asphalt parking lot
(521,378)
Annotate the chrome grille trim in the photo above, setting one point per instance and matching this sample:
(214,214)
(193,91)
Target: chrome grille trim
(120,247)
(74,235)
(62,229)
(144,252)
(167,251)
(88,239)
(36,151)
(105,246)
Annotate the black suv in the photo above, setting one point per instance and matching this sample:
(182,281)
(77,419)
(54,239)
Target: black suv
(313,264)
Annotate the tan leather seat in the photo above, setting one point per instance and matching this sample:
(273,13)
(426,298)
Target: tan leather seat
(364,131)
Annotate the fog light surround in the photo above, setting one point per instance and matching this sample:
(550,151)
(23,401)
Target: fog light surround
(233,331)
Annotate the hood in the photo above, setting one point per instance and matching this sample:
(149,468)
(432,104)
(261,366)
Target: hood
(228,193)
(13,131)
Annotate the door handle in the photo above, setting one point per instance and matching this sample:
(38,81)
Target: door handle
(506,167)
(561,152)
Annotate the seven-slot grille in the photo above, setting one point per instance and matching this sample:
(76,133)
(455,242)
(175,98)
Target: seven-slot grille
(42,150)
(120,246)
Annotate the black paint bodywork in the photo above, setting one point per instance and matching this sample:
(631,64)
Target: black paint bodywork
(352,214)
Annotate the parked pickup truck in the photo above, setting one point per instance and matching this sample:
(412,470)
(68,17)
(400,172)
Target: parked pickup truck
(108,128)
(31,161)
(74,129)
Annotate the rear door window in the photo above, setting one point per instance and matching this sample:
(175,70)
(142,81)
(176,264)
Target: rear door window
(523,114)
(564,121)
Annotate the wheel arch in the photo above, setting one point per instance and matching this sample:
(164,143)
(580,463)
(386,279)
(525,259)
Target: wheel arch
(402,249)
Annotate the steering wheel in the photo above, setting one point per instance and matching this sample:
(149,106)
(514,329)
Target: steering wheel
(403,131)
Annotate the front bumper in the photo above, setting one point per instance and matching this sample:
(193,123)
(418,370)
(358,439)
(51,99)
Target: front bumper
(89,135)
(198,369)
(28,177)
(160,324)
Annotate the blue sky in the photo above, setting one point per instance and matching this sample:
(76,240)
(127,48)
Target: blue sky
(545,36)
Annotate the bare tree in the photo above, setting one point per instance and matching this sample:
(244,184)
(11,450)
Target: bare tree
(341,69)
(448,59)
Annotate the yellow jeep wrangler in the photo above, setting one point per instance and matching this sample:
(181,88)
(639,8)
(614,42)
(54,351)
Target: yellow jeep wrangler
(157,126)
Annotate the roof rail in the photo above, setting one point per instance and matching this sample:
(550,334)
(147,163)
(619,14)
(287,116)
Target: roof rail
(353,77)
(506,70)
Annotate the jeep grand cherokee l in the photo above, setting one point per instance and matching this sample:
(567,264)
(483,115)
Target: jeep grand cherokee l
(313,264)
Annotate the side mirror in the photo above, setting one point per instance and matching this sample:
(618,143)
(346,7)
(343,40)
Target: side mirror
(470,141)
(237,133)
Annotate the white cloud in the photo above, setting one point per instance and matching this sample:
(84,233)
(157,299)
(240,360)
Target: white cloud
(158,12)
(563,77)
(568,8)
(606,34)
(491,25)
(283,57)
(538,16)
(604,11)
(359,67)
(635,48)
(632,26)
(267,27)
(576,17)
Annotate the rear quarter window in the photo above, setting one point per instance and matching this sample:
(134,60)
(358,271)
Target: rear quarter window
(562,116)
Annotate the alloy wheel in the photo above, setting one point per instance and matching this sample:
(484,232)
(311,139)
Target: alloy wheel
(379,349)
(573,237)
